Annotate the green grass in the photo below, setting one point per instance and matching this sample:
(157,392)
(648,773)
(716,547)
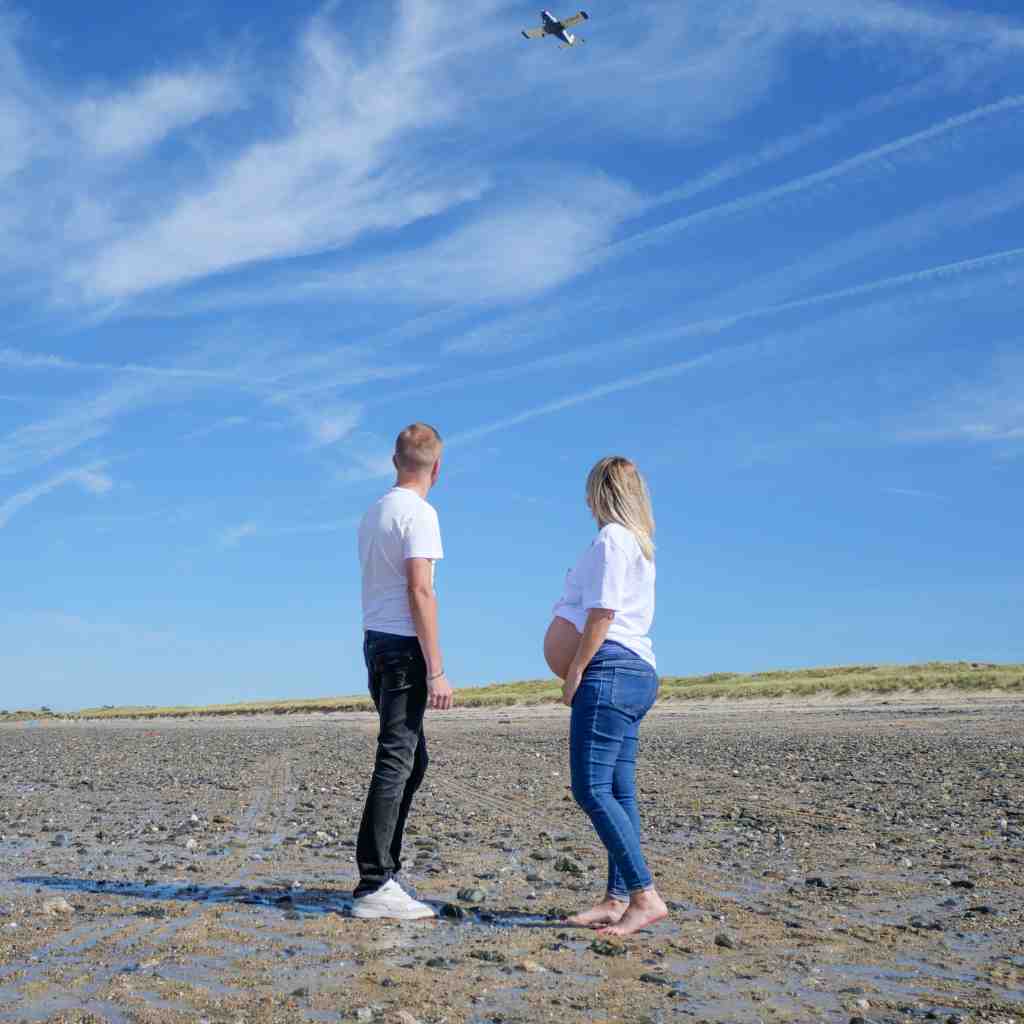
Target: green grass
(839,681)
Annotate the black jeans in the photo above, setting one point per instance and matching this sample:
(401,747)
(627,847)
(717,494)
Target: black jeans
(398,686)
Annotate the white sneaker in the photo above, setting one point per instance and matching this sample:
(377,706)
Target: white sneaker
(390,900)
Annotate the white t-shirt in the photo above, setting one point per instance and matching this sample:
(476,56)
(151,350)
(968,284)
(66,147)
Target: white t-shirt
(398,526)
(613,574)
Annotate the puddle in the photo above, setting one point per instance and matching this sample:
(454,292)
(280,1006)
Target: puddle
(905,977)
(43,1009)
(309,901)
(304,902)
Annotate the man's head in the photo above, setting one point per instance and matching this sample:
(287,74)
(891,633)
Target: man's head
(418,453)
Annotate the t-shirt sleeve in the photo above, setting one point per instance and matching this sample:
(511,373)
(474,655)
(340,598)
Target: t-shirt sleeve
(422,535)
(606,569)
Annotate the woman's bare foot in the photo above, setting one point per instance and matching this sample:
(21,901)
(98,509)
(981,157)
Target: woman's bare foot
(608,911)
(644,908)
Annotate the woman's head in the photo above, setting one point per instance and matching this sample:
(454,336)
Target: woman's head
(616,493)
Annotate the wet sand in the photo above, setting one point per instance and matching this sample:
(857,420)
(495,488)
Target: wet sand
(826,860)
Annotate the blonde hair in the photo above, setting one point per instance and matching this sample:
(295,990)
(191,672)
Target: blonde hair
(617,493)
(417,448)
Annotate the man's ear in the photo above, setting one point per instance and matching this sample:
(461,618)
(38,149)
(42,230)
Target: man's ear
(435,472)
(394,462)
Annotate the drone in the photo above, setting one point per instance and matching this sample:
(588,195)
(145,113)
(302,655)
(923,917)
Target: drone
(551,26)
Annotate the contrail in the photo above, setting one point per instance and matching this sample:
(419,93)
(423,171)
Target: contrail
(711,325)
(946,270)
(637,380)
(767,196)
(90,478)
(914,277)
(789,144)
(31,361)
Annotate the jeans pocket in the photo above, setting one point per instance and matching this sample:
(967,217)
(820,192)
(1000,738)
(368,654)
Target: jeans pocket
(394,669)
(633,690)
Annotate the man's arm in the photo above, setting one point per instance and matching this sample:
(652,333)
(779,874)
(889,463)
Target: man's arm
(423,605)
(599,621)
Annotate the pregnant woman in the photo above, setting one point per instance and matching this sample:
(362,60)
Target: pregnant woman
(598,644)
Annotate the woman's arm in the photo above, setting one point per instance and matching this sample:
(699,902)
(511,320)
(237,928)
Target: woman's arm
(594,632)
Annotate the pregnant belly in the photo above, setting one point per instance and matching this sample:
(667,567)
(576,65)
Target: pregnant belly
(560,643)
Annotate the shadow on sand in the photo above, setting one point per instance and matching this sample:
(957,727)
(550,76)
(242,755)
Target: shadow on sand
(295,900)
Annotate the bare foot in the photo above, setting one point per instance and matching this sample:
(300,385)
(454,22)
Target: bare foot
(608,911)
(644,909)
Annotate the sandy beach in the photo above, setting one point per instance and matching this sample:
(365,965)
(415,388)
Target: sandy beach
(826,860)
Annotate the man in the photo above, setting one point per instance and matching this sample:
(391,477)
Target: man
(399,542)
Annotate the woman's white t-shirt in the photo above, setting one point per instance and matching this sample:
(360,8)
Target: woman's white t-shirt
(613,574)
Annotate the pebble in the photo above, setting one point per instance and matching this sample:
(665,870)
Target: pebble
(725,941)
(57,906)
(470,895)
(364,1013)
(191,844)
(569,866)
(605,948)
(490,956)
(655,979)
(954,840)
(404,1017)
(531,967)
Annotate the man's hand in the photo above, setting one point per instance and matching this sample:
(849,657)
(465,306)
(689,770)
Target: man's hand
(440,695)
(571,684)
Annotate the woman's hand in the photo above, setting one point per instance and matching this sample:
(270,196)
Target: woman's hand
(594,632)
(572,682)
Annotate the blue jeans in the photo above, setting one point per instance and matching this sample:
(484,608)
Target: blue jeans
(617,690)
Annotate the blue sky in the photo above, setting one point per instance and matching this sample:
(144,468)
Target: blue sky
(773,250)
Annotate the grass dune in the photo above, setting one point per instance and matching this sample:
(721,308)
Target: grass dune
(839,681)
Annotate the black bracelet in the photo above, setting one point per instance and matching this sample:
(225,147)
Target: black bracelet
(436,675)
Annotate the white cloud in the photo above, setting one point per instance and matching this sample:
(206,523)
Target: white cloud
(224,423)
(126,123)
(913,492)
(357,141)
(987,411)
(883,18)
(233,537)
(533,242)
(79,422)
(23,107)
(331,425)
(693,67)
(367,456)
(90,478)
(337,172)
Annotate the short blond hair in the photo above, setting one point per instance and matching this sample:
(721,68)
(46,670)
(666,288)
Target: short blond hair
(617,493)
(417,448)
